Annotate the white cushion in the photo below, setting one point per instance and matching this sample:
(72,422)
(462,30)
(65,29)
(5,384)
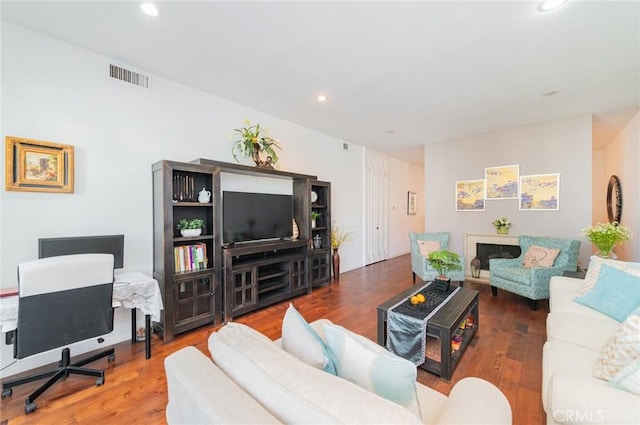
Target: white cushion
(562,357)
(300,340)
(372,367)
(586,331)
(293,391)
(469,397)
(196,389)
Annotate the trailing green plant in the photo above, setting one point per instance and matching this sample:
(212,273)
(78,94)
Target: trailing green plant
(315,215)
(254,135)
(444,261)
(192,223)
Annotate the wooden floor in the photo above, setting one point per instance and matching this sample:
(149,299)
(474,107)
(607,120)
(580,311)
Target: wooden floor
(507,351)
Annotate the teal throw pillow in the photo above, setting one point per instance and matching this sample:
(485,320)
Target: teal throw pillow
(615,293)
(300,340)
(373,367)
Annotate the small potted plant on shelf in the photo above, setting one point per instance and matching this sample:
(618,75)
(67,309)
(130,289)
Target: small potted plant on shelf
(190,227)
(314,217)
(444,261)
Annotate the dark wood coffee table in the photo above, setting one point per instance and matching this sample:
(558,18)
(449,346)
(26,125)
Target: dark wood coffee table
(441,359)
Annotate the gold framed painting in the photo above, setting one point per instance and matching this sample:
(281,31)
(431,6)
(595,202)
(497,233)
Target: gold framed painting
(38,166)
(502,182)
(540,192)
(470,195)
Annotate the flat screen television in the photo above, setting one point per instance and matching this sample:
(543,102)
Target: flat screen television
(250,217)
(107,244)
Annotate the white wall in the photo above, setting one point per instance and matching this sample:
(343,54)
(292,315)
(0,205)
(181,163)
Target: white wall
(404,178)
(560,146)
(57,92)
(622,158)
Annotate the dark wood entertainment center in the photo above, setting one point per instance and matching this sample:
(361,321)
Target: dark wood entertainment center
(236,279)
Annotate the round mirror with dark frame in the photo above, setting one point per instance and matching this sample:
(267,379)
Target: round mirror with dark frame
(614,199)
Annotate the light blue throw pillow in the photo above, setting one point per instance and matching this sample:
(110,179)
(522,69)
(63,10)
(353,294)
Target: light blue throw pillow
(373,368)
(615,293)
(300,340)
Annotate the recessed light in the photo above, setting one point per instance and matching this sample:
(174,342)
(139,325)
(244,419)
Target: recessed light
(322,98)
(149,9)
(549,5)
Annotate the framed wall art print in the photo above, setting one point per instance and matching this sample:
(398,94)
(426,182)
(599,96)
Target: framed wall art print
(412,203)
(37,166)
(540,192)
(502,182)
(470,195)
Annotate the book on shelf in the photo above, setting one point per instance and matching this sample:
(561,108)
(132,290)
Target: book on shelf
(189,258)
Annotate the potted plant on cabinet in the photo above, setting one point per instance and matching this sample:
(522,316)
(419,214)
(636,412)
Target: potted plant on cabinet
(443,261)
(190,227)
(252,141)
(314,217)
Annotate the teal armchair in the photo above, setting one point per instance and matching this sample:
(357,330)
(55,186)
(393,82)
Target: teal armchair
(532,283)
(419,264)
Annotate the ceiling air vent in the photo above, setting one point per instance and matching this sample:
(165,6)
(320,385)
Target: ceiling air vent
(128,76)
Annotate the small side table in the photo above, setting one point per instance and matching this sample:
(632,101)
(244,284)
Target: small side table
(137,290)
(577,275)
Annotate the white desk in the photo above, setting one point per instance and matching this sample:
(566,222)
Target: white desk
(130,290)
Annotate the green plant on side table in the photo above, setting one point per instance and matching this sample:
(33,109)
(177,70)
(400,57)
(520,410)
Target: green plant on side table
(444,261)
(605,236)
(190,227)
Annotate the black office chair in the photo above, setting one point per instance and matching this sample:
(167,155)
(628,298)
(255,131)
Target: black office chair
(62,300)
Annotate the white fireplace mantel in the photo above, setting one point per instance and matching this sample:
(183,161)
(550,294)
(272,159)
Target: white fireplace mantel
(470,241)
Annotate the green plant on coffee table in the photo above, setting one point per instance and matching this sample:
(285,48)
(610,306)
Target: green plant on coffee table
(191,223)
(444,261)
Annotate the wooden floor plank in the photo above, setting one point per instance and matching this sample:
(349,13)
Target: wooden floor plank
(507,351)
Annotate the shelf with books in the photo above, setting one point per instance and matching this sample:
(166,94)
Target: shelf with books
(187,268)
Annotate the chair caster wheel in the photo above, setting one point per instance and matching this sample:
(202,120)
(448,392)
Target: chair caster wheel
(30,407)
(111,358)
(6,392)
(99,381)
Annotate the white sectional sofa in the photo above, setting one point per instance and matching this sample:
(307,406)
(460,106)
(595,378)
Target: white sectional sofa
(576,334)
(252,380)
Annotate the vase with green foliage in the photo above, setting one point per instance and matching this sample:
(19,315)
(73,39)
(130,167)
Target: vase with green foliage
(444,261)
(605,236)
(252,141)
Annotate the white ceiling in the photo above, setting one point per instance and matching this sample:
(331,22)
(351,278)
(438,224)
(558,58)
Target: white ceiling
(398,74)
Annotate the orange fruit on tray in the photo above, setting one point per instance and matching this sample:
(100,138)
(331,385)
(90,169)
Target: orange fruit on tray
(414,300)
(421,298)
